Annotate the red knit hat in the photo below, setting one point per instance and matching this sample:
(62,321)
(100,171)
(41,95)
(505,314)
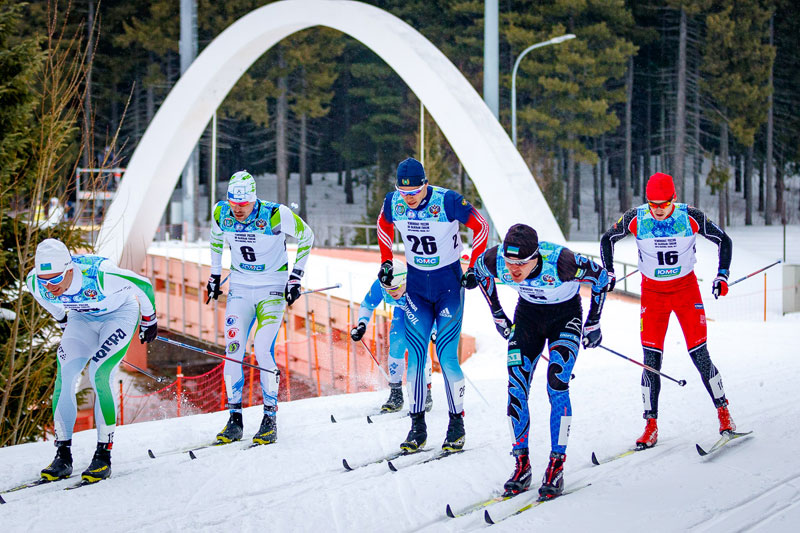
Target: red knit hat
(660,187)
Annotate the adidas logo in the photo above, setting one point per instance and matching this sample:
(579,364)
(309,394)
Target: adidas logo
(445,313)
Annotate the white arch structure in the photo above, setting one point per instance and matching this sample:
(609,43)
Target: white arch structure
(501,177)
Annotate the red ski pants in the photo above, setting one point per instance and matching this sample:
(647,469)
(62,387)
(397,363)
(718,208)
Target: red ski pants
(660,299)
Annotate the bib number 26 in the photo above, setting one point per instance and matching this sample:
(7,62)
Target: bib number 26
(423,245)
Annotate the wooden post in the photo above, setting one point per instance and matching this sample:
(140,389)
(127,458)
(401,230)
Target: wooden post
(286,359)
(121,406)
(179,389)
(224,394)
(316,358)
(347,341)
(252,375)
(374,344)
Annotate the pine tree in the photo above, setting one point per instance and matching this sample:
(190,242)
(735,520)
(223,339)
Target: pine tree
(565,92)
(738,59)
(40,105)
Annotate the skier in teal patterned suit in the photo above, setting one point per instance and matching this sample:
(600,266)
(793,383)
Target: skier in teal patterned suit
(97,306)
(260,286)
(547,278)
(395,297)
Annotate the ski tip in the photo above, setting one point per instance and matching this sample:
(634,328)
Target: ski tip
(333,420)
(192,455)
(594,460)
(488,518)
(701,451)
(449,512)
(2,501)
(346,466)
(369,420)
(391,466)
(151,454)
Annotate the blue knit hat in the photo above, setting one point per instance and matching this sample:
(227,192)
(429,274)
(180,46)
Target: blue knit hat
(410,173)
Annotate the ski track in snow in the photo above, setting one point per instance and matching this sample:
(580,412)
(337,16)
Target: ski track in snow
(299,483)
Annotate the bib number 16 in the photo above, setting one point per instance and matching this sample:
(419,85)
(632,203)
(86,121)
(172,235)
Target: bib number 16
(667,258)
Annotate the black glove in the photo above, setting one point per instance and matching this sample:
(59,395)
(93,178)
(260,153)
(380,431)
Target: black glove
(292,289)
(433,338)
(62,324)
(502,323)
(592,336)
(358,332)
(385,274)
(213,287)
(612,280)
(468,280)
(148,329)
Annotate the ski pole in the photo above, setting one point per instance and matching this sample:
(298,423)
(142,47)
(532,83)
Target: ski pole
(681,382)
(221,283)
(754,273)
(212,354)
(627,275)
(376,361)
(322,289)
(143,371)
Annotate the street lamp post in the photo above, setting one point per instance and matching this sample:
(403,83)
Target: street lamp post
(554,40)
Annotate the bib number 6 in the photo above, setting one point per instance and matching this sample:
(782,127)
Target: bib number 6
(423,245)
(248,254)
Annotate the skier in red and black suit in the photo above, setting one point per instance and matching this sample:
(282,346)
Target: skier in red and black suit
(665,234)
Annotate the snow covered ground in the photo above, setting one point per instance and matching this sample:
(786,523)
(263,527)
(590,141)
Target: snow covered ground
(298,484)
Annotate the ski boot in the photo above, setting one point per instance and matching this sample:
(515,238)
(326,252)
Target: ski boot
(553,480)
(61,467)
(650,435)
(268,432)
(100,467)
(395,401)
(520,480)
(428,400)
(725,420)
(233,429)
(454,440)
(418,435)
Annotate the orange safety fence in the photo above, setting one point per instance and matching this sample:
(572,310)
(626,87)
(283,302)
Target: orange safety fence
(314,352)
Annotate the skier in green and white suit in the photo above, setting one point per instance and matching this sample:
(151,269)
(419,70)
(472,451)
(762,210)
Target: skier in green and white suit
(97,305)
(260,285)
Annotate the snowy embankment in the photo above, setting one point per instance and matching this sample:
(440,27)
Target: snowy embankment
(299,484)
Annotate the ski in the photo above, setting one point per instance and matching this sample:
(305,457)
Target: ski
(726,437)
(28,485)
(441,454)
(154,455)
(479,505)
(626,453)
(82,483)
(390,457)
(370,416)
(535,503)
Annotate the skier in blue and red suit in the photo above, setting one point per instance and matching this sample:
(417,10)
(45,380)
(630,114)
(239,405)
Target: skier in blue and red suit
(428,218)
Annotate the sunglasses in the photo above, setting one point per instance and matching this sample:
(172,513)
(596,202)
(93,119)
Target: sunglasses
(411,192)
(659,205)
(53,281)
(518,262)
(238,204)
